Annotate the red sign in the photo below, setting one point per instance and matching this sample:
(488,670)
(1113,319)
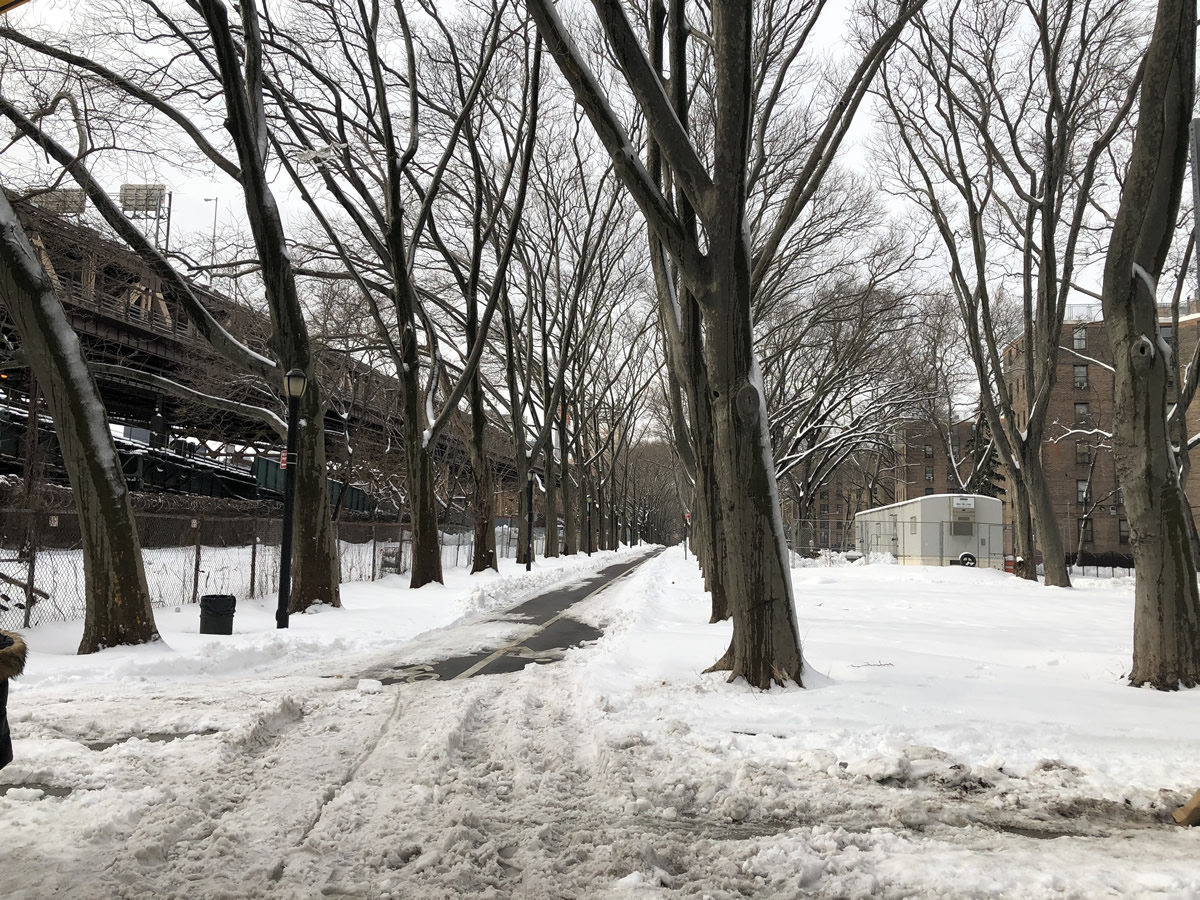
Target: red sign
(283,460)
(687,517)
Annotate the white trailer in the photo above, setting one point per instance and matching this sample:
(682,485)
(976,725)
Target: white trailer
(939,530)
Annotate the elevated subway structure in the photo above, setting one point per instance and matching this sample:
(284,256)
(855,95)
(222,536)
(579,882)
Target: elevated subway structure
(124,315)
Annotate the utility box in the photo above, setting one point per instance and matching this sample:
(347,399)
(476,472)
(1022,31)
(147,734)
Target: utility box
(938,530)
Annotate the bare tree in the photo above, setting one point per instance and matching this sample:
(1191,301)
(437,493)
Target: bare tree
(210,57)
(345,108)
(117,599)
(719,272)
(1002,121)
(1166,629)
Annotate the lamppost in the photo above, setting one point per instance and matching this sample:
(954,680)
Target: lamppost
(587,511)
(293,386)
(212,253)
(529,523)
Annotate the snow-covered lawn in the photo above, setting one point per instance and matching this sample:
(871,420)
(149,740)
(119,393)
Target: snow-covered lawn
(963,734)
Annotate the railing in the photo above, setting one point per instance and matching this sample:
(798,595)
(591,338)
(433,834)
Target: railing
(178,327)
(185,557)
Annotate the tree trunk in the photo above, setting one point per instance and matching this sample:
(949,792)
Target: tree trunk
(601,527)
(522,506)
(483,501)
(426,541)
(1050,540)
(550,549)
(316,575)
(570,531)
(483,504)
(117,599)
(1166,625)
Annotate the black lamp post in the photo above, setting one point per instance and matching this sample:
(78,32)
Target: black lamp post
(293,386)
(587,512)
(529,521)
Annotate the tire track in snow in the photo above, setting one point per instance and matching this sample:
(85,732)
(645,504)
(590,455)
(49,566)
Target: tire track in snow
(221,832)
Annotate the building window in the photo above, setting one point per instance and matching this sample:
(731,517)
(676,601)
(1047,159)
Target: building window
(1087,530)
(824,495)
(929,451)
(1083,491)
(1083,414)
(929,473)
(824,509)
(928,492)
(1081,377)
(838,509)
(1122,531)
(1120,497)
(1168,335)
(1083,453)
(1079,337)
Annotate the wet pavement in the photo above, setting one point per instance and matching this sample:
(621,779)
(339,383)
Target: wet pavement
(551,632)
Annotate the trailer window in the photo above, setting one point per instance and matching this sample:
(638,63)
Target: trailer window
(959,528)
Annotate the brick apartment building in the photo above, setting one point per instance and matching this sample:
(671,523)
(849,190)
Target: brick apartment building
(916,465)
(1077,454)
(924,468)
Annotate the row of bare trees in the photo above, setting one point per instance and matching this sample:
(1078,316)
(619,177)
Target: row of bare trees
(467,208)
(411,141)
(1045,143)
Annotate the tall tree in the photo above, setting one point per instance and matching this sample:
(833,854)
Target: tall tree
(1001,121)
(707,237)
(117,599)
(1166,629)
(210,61)
(363,119)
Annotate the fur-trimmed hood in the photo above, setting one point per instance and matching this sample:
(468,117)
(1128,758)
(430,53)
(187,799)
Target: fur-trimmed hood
(12,654)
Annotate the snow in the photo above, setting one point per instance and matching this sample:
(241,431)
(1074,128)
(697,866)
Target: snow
(1147,279)
(964,734)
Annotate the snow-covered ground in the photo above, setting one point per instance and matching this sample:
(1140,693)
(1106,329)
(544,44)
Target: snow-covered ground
(963,734)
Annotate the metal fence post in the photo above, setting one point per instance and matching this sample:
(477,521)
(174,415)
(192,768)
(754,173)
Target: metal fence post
(34,535)
(196,571)
(254,558)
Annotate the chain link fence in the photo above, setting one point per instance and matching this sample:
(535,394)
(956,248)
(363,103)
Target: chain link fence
(910,541)
(186,557)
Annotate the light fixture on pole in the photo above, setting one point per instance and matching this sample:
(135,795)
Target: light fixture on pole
(293,388)
(212,253)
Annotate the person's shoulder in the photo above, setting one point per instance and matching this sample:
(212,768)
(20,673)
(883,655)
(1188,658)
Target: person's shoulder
(12,654)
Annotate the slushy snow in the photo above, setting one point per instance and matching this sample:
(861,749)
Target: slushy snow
(962,734)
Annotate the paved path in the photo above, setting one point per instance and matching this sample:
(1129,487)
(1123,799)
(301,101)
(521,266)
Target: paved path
(550,632)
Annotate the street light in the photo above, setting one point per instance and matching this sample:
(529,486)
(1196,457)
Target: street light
(588,514)
(529,524)
(293,387)
(212,253)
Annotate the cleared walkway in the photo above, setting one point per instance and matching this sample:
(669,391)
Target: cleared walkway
(551,631)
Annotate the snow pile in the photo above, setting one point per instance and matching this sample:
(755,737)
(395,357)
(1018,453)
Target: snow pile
(374,616)
(963,734)
(830,558)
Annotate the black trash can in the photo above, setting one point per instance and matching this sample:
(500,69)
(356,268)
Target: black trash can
(216,613)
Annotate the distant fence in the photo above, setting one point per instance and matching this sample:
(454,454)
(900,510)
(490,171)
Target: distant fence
(909,540)
(1100,564)
(41,563)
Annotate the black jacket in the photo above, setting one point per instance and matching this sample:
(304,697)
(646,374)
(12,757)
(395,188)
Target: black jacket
(12,662)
